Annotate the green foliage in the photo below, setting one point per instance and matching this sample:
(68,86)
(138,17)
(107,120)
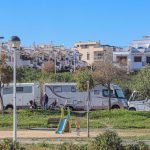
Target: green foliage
(138,146)
(61,77)
(34,75)
(44,144)
(81,77)
(71,146)
(7,144)
(108,141)
(141,82)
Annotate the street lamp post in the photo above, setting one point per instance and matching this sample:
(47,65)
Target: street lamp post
(88,99)
(74,61)
(15,44)
(55,60)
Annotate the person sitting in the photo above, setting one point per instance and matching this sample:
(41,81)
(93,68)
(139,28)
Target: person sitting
(31,104)
(54,103)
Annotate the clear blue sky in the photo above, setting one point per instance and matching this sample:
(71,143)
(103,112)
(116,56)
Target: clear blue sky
(114,22)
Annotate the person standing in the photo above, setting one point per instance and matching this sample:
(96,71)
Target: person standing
(45,98)
(77,127)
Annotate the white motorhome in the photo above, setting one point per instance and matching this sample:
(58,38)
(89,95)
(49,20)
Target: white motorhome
(25,92)
(67,94)
(137,102)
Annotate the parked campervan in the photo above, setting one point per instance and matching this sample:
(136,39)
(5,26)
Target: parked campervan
(25,92)
(66,94)
(138,102)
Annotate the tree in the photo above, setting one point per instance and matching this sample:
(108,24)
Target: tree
(48,66)
(81,77)
(5,76)
(105,73)
(141,82)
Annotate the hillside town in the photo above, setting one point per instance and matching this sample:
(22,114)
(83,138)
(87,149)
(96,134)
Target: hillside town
(82,54)
(75,75)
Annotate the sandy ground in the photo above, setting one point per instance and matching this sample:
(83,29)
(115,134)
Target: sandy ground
(51,134)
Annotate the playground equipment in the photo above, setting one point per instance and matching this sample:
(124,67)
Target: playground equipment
(64,123)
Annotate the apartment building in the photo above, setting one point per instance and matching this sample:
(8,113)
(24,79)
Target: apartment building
(93,51)
(132,58)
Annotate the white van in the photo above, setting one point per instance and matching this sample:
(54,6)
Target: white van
(67,94)
(137,102)
(25,92)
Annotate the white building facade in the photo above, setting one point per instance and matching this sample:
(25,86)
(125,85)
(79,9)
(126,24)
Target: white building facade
(132,58)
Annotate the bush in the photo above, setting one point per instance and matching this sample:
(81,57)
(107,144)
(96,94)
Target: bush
(107,141)
(138,146)
(7,144)
(73,147)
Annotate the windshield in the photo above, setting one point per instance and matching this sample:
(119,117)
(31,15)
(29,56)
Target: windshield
(136,96)
(119,93)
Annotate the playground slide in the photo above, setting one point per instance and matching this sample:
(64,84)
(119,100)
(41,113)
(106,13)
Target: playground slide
(62,126)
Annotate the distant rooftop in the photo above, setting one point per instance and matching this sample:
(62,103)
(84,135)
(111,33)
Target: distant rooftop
(144,42)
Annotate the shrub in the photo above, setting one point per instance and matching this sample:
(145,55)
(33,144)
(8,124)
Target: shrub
(107,141)
(138,146)
(44,144)
(73,147)
(7,144)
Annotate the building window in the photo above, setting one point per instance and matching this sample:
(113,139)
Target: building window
(98,55)
(148,59)
(84,46)
(137,59)
(88,56)
(121,60)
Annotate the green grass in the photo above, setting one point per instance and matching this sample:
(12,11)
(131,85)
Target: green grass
(41,146)
(119,119)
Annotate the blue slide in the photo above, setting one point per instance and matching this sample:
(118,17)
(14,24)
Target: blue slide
(62,125)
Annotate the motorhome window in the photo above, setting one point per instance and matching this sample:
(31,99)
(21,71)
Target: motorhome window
(27,89)
(57,89)
(119,93)
(106,93)
(19,89)
(8,90)
(73,89)
(66,88)
(96,92)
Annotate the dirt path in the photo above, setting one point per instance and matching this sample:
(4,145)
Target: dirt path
(51,134)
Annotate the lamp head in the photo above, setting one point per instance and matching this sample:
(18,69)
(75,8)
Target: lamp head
(15,42)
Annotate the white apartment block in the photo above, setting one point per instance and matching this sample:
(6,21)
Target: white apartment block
(132,58)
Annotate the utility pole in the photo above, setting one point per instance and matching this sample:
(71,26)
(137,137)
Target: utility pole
(55,61)
(88,99)
(1,38)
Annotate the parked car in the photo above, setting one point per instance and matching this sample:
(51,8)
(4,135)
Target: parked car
(137,102)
